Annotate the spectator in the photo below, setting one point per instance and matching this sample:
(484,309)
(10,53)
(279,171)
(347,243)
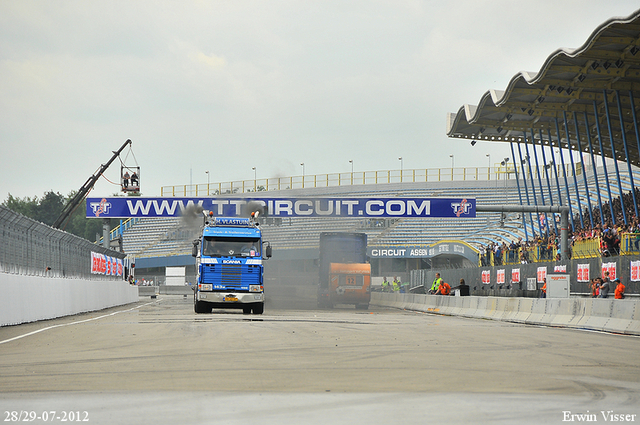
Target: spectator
(464,288)
(396,284)
(604,286)
(436,284)
(594,287)
(444,289)
(385,284)
(619,292)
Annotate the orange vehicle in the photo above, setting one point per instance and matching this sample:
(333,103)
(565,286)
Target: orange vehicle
(350,284)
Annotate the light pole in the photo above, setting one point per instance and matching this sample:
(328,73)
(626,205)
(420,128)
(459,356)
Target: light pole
(401,168)
(505,164)
(207,182)
(255,180)
(351,162)
(302,163)
(489,169)
(451,156)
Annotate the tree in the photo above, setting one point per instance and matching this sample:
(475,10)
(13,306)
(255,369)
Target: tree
(48,208)
(45,210)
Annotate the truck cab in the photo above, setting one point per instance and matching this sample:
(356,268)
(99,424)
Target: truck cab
(229,260)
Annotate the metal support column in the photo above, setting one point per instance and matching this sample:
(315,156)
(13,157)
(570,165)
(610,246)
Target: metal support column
(535,156)
(526,189)
(106,232)
(615,159)
(546,173)
(515,168)
(564,173)
(593,165)
(573,168)
(626,153)
(533,186)
(635,118)
(604,162)
(584,169)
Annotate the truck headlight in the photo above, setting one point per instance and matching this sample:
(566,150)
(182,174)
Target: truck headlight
(205,287)
(256,288)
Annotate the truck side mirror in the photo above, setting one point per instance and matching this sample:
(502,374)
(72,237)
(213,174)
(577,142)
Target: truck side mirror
(194,251)
(268,251)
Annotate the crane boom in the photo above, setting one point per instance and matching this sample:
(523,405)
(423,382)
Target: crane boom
(84,190)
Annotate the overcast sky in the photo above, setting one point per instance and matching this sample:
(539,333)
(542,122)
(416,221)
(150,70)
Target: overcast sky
(224,86)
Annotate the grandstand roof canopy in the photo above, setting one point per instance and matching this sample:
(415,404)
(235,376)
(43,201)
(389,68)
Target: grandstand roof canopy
(571,83)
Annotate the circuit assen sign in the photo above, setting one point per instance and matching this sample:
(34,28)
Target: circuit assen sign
(284,207)
(439,248)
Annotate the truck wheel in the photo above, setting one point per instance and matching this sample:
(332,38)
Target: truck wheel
(200,307)
(246,310)
(258,308)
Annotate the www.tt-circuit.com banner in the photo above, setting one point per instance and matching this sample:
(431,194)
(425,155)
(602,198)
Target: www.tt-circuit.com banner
(284,207)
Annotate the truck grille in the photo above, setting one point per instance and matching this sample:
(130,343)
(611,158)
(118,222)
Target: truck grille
(232,276)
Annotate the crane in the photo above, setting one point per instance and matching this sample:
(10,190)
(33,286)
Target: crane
(84,190)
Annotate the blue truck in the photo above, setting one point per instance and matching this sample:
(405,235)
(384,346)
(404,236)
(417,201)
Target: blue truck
(229,260)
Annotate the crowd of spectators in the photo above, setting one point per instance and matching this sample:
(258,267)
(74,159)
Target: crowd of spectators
(545,247)
(519,251)
(611,231)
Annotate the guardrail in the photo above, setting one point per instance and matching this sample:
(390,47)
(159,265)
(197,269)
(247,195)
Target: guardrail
(495,173)
(585,248)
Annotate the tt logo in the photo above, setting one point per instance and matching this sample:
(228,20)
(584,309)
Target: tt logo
(461,207)
(101,207)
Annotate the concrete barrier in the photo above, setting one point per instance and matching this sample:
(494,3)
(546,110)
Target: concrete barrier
(525,308)
(597,314)
(32,298)
(623,313)
(176,290)
(634,326)
(538,311)
(148,291)
(481,308)
(511,307)
(610,315)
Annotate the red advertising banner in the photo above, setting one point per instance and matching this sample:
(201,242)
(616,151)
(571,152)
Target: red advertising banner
(583,273)
(500,276)
(486,276)
(515,275)
(108,266)
(635,271)
(611,268)
(542,274)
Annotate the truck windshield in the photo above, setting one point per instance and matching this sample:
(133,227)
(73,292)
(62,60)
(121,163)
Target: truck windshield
(231,247)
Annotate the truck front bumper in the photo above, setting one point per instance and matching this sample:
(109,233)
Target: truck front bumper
(231,298)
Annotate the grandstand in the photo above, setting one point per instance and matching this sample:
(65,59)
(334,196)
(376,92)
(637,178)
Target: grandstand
(160,237)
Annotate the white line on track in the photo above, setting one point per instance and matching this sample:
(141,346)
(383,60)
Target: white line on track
(74,323)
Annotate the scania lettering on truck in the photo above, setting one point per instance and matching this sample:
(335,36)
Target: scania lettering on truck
(229,260)
(345,274)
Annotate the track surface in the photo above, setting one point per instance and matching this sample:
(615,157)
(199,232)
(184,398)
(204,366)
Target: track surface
(158,361)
